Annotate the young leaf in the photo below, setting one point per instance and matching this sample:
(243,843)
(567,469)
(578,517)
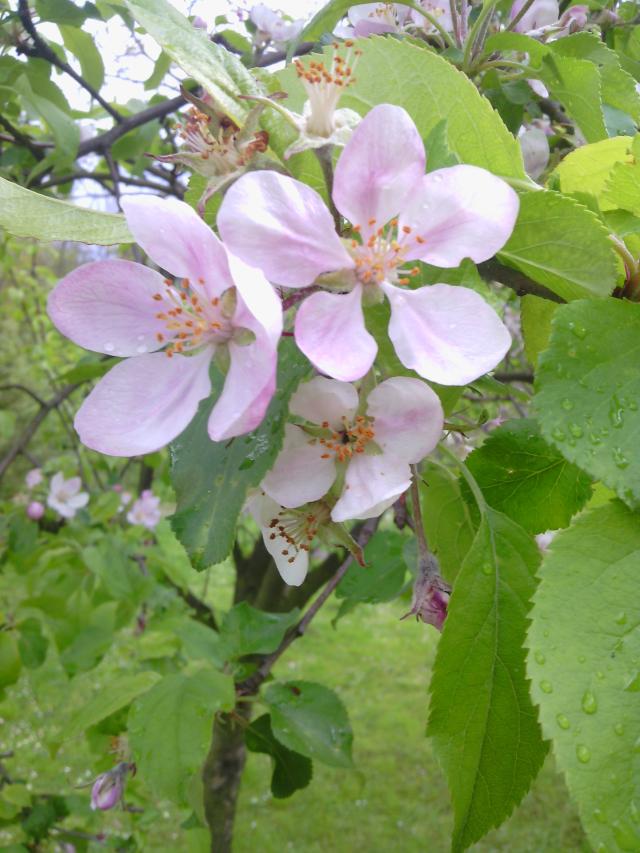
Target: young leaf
(383,577)
(535,319)
(212,479)
(588,388)
(83,47)
(584,648)
(24,213)
(576,84)
(291,771)
(310,718)
(170,729)
(32,643)
(247,631)
(447,520)
(586,169)
(482,721)
(116,694)
(527,479)
(562,245)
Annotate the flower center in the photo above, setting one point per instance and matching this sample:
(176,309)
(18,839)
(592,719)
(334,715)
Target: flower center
(325,85)
(297,528)
(352,438)
(223,149)
(378,258)
(191,319)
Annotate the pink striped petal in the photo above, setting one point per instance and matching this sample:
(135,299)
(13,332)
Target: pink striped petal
(300,474)
(108,306)
(379,168)
(175,238)
(446,334)
(372,484)
(143,403)
(459,212)
(282,226)
(330,331)
(408,417)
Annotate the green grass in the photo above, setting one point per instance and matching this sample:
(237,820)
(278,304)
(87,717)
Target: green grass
(397,799)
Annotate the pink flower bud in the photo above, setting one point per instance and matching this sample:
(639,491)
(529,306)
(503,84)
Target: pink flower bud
(108,788)
(430,600)
(35,510)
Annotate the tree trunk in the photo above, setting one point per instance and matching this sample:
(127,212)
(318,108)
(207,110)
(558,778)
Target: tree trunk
(222,773)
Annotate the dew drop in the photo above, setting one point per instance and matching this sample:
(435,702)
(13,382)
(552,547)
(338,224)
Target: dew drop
(620,459)
(558,434)
(616,412)
(600,674)
(576,430)
(487,569)
(619,729)
(581,659)
(633,405)
(594,438)
(563,721)
(636,745)
(540,658)
(633,683)
(567,404)
(109,347)
(578,330)
(600,816)
(546,687)
(583,754)
(621,618)
(589,703)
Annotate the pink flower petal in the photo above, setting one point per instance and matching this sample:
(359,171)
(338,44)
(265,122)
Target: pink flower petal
(300,474)
(379,168)
(175,238)
(330,331)
(460,212)
(446,334)
(259,307)
(372,484)
(108,306)
(408,417)
(143,403)
(281,226)
(323,399)
(541,13)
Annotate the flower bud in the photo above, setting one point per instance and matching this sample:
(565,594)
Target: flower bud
(430,600)
(35,510)
(108,788)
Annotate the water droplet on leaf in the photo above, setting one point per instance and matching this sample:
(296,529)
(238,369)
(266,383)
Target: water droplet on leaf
(567,404)
(540,658)
(589,703)
(563,721)
(583,753)
(546,687)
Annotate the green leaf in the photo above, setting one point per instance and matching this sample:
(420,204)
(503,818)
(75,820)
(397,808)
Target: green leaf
(527,479)
(382,579)
(586,169)
(24,213)
(447,520)
(10,661)
(82,45)
(114,695)
(220,73)
(32,643)
(535,318)
(325,20)
(291,771)
(588,388)
(63,12)
(170,729)
(562,245)
(584,648)
(576,84)
(65,131)
(212,479)
(160,68)
(247,631)
(111,562)
(310,718)
(432,91)
(482,721)
(623,187)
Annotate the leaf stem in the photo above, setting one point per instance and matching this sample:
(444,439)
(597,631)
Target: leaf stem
(468,476)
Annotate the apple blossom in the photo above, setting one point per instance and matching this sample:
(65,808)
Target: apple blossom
(65,495)
(272,28)
(446,334)
(127,310)
(370,19)
(35,510)
(108,787)
(541,13)
(362,449)
(34,478)
(146,510)
(438,9)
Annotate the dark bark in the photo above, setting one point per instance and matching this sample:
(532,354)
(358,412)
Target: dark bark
(222,774)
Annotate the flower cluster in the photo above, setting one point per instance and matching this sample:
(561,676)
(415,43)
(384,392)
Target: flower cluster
(348,447)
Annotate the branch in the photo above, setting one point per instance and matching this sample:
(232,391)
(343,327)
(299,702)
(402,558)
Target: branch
(42,49)
(281,55)
(250,685)
(515,376)
(31,428)
(22,139)
(522,284)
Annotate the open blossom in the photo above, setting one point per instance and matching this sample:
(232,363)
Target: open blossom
(398,214)
(146,510)
(65,495)
(33,478)
(370,19)
(128,310)
(365,450)
(541,13)
(272,28)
